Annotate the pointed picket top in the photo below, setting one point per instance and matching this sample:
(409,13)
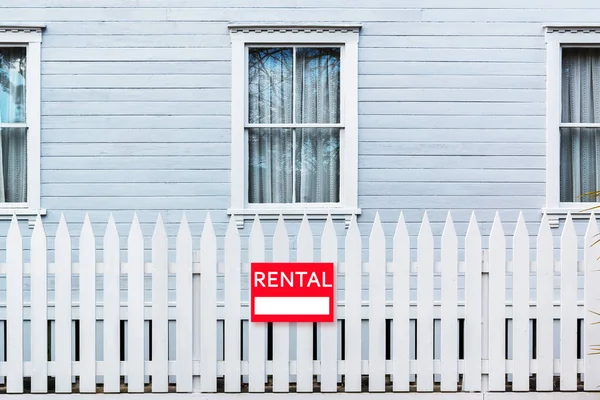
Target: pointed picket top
(377,236)
(521,235)
(401,237)
(62,232)
(232,235)
(86,236)
(473,228)
(280,229)
(305,241)
(353,231)
(208,230)
(136,230)
(256,242)
(183,232)
(281,242)
(521,228)
(160,233)
(111,235)
(160,250)
(377,243)
(425,230)
(449,229)
(592,228)
(184,247)
(569,229)
(329,241)
(544,229)
(86,230)
(497,229)
(13,229)
(256,229)
(38,228)
(208,245)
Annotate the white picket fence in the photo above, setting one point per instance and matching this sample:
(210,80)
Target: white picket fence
(382,324)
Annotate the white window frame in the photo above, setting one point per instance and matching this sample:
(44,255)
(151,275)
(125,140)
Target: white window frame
(344,36)
(29,37)
(557,37)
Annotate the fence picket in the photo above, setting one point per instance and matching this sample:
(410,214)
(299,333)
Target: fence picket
(160,324)
(87,308)
(401,315)
(183,295)
(449,323)
(425,307)
(304,341)
(135,308)
(111,306)
(497,306)
(377,328)
(233,262)
(568,307)
(521,306)
(472,325)
(14,308)
(281,330)
(257,331)
(208,307)
(329,332)
(544,305)
(592,306)
(353,277)
(62,307)
(39,307)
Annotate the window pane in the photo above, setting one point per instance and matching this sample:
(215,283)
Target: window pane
(579,164)
(318,165)
(270,83)
(581,85)
(318,85)
(12,84)
(270,153)
(13,173)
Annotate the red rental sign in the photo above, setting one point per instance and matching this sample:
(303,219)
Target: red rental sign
(291,292)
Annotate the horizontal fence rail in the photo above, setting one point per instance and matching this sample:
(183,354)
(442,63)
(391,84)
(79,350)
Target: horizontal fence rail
(474,320)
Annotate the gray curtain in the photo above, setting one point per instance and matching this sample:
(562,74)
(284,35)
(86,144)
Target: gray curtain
(275,154)
(270,101)
(580,147)
(13,140)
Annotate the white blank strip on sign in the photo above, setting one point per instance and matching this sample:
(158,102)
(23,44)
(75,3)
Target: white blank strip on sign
(291,305)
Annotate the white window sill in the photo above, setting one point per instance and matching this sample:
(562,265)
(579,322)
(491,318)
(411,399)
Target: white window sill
(269,213)
(576,211)
(22,214)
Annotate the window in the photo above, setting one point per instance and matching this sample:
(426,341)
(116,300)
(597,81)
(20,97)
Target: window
(293,125)
(573,121)
(294,121)
(20,121)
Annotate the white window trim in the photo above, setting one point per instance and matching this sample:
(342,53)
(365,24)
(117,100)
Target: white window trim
(31,37)
(558,35)
(277,34)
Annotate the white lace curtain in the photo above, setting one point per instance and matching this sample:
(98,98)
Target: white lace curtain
(580,146)
(13,140)
(293,164)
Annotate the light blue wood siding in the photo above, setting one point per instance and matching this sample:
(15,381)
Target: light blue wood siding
(136,106)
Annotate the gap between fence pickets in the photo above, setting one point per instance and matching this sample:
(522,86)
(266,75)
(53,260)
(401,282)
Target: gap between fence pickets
(347,396)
